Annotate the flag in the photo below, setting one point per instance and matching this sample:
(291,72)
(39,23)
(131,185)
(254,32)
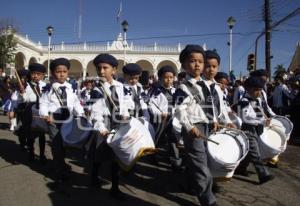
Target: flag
(119,12)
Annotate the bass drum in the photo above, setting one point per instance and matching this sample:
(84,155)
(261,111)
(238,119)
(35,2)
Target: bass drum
(272,142)
(130,142)
(223,158)
(76,132)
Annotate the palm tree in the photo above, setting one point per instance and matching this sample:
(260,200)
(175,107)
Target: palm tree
(279,69)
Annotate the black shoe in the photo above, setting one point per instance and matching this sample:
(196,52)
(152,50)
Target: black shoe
(244,173)
(265,179)
(214,204)
(31,157)
(43,160)
(117,194)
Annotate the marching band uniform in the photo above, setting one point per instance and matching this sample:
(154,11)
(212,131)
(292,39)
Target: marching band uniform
(162,102)
(60,101)
(105,117)
(133,94)
(253,119)
(31,96)
(190,112)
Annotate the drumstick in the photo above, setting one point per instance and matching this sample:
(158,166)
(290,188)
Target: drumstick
(223,126)
(210,140)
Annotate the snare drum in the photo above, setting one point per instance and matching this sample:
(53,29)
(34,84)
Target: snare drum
(272,142)
(76,131)
(225,157)
(131,141)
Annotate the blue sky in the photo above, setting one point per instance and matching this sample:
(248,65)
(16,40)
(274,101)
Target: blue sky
(157,18)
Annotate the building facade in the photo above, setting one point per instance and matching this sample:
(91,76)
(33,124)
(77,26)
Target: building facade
(150,57)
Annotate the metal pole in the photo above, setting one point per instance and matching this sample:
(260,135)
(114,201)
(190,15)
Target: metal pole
(49,48)
(230,50)
(268,37)
(124,46)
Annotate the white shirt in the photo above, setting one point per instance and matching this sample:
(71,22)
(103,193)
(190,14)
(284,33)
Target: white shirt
(100,109)
(49,103)
(29,95)
(238,94)
(278,95)
(129,99)
(189,111)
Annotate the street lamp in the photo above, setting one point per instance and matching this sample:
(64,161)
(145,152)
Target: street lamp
(125,28)
(50,31)
(230,22)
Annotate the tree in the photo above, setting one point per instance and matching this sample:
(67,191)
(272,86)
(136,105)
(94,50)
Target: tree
(279,69)
(7,46)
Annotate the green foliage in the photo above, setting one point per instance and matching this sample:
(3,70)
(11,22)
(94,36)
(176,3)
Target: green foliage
(7,49)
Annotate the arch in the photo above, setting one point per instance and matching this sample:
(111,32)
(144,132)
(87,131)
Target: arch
(91,69)
(32,60)
(120,67)
(146,66)
(76,69)
(20,60)
(167,63)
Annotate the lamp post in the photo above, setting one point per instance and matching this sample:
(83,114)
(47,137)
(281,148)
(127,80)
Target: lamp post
(230,22)
(125,28)
(50,31)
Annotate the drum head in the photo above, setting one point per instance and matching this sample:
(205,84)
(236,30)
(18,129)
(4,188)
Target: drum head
(282,123)
(228,150)
(273,138)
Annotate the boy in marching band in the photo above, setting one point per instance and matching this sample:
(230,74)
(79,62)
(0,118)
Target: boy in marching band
(214,92)
(107,112)
(254,120)
(190,105)
(133,92)
(85,97)
(57,103)
(31,96)
(161,106)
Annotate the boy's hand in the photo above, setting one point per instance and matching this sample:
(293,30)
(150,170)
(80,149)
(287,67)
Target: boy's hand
(196,133)
(267,122)
(48,119)
(231,125)
(215,126)
(164,115)
(104,134)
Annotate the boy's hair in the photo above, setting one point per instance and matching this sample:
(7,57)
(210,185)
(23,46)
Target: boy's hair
(105,58)
(211,54)
(165,69)
(221,75)
(254,82)
(59,61)
(132,69)
(188,50)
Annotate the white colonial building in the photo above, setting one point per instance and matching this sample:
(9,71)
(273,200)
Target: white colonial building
(81,55)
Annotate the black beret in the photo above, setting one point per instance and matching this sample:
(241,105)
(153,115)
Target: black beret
(190,48)
(165,69)
(35,67)
(105,58)
(132,69)
(23,72)
(212,55)
(221,75)
(259,73)
(254,82)
(59,61)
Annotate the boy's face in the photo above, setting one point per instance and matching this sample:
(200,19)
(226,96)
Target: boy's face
(36,76)
(223,83)
(132,79)
(167,79)
(89,85)
(194,64)
(61,73)
(211,69)
(106,71)
(255,92)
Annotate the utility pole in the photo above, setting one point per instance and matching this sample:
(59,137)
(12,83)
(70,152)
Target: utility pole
(268,37)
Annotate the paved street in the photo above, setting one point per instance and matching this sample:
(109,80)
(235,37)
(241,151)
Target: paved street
(30,184)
